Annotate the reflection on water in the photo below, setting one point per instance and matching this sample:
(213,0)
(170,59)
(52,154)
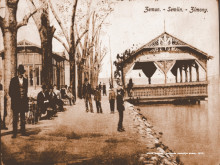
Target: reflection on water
(190,128)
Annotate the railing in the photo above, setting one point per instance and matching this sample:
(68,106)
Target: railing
(193,89)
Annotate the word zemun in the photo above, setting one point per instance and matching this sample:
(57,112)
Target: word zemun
(176,9)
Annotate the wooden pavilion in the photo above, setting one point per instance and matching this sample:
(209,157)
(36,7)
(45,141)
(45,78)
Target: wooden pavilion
(167,54)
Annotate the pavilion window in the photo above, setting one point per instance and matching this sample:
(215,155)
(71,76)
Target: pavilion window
(31,76)
(37,74)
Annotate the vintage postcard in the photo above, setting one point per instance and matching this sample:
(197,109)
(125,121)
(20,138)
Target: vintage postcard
(112,82)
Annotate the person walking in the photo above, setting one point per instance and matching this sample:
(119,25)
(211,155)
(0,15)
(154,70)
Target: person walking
(104,90)
(112,97)
(87,91)
(120,108)
(18,90)
(97,98)
(129,87)
(100,86)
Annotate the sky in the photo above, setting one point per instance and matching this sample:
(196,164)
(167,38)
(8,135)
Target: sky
(129,25)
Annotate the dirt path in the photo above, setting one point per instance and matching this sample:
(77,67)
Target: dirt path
(76,137)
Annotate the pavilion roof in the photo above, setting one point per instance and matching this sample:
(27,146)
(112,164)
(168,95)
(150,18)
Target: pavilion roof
(166,40)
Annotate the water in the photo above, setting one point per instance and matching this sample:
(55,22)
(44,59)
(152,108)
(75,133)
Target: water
(190,128)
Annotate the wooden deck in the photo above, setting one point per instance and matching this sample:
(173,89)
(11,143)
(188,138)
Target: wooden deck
(192,91)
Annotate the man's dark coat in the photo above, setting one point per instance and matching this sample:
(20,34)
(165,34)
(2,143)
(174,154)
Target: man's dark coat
(120,103)
(42,107)
(87,90)
(18,104)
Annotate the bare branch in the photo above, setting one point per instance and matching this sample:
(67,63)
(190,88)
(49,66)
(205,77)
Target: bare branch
(80,37)
(37,16)
(26,19)
(64,45)
(77,33)
(1,23)
(99,27)
(59,22)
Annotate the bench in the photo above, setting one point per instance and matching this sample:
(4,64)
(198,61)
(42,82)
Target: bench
(66,101)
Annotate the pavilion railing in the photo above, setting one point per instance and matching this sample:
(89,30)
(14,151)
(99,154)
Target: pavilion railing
(170,90)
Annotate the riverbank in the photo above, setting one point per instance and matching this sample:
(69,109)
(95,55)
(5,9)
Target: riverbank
(77,137)
(157,152)
(191,130)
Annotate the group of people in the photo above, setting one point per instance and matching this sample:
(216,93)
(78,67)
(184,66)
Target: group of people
(87,95)
(48,98)
(51,97)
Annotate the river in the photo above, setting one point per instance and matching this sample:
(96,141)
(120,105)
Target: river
(192,131)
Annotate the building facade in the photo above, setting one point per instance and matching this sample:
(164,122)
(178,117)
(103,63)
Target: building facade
(30,55)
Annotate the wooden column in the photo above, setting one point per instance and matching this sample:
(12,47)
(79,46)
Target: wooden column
(40,74)
(176,75)
(206,73)
(197,72)
(28,76)
(181,75)
(190,72)
(186,74)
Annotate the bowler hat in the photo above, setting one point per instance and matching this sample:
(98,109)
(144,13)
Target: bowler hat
(21,69)
(43,87)
(50,86)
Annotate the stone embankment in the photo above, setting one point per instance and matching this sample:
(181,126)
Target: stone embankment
(157,152)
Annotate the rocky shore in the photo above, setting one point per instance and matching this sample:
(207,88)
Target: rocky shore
(157,152)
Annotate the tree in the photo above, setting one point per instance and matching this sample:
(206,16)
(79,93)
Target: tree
(90,51)
(71,41)
(83,54)
(46,32)
(9,27)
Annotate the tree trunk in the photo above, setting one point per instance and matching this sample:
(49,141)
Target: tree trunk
(10,53)
(72,52)
(79,70)
(46,35)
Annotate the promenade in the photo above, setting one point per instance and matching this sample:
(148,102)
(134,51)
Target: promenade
(78,137)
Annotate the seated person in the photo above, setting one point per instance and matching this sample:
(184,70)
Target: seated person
(63,92)
(70,96)
(52,97)
(57,92)
(42,101)
(59,102)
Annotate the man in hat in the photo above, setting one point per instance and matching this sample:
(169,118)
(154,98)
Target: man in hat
(42,101)
(104,90)
(120,108)
(52,99)
(18,90)
(87,91)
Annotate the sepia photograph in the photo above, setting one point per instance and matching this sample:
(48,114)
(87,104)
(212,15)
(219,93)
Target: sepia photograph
(109,82)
